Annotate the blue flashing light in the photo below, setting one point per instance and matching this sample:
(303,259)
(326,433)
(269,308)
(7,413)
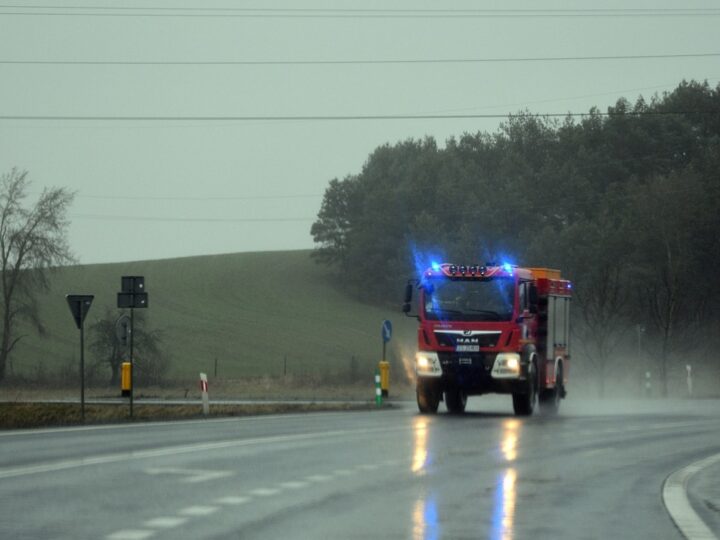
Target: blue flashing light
(508,268)
(435,266)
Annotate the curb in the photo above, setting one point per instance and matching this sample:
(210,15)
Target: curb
(674,495)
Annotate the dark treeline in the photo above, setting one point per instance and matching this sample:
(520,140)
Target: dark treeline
(626,203)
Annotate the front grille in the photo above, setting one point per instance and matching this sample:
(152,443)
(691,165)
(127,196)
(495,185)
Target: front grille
(451,361)
(447,339)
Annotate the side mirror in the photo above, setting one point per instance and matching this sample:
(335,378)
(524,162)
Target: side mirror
(407,304)
(408,295)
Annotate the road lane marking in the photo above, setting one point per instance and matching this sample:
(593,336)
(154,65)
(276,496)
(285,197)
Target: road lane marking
(343,472)
(369,467)
(130,534)
(293,485)
(232,500)
(264,492)
(317,478)
(198,511)
(678,505)
(181,449)
(192,476)
(165,522)
(56,430)
(596,451)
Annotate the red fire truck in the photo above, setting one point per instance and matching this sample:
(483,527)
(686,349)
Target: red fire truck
(493,328)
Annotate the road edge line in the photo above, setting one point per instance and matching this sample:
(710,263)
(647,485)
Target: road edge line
(677,504)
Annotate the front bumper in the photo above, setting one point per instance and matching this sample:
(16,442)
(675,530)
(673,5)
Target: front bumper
(476,373)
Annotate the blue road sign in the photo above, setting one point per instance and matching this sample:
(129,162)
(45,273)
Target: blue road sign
(386,330)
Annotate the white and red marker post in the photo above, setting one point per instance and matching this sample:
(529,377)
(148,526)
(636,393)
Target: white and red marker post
(204,392)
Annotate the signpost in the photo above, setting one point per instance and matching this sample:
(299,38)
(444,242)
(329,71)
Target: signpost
(132,295)
(384,364)
(204,393)
(79,306)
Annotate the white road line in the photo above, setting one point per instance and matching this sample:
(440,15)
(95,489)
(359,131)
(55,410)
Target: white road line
(177,450)
(596,451)
(293,485)
(317,478)
(678,505)
(23,432)
(264,492)
(232,500)
(130,534)
(369,467)
(191,476)
(343,472)
(165,522)
(197,511)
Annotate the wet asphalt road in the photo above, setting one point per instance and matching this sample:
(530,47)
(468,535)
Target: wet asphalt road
(594,471)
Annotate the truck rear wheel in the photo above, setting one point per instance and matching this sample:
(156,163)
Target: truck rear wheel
(455,401)
(524,403)
(550,399)
(428,396)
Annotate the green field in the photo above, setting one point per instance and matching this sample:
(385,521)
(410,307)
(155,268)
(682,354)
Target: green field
(258,314)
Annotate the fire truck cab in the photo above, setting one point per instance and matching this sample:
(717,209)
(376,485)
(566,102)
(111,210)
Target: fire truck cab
(493,328)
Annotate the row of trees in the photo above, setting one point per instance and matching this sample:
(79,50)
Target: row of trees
(625,202)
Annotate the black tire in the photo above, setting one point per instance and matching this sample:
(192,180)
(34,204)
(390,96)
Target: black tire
(550,399)
(455,401)
(428,397)
(524,402)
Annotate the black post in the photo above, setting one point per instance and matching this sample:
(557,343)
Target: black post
(384,344)
(132,366)
(82,362)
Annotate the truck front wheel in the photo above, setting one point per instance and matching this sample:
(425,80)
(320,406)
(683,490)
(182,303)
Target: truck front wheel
(524,403)
(455,400)
(428,396)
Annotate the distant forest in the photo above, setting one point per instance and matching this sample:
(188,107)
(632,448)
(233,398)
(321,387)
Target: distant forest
(626,202)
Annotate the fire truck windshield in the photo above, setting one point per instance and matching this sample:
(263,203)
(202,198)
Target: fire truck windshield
(470,300)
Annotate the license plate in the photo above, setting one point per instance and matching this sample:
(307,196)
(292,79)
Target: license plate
(468,348)
(467,361)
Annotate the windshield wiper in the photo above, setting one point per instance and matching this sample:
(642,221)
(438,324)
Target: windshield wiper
(487,312)
(448,312)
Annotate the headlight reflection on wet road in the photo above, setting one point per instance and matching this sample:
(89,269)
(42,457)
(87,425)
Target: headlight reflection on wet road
(425,520)
(425,524)
(505,492)
(420,450)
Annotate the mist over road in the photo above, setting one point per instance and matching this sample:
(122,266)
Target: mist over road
(596,470)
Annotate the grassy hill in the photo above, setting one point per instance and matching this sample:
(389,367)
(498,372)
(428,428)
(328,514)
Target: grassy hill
(251,311)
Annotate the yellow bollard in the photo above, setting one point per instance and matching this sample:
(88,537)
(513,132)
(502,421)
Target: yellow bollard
(384,377)
(125,369)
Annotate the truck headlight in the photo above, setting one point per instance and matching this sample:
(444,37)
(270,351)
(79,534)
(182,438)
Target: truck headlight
(506,366)
(427,364)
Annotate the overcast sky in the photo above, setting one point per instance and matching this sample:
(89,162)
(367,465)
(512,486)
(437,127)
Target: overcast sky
(171,188)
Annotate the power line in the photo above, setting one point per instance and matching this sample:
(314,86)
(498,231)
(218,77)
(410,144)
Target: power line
(105,217)
(319,118)
(214,12)
(198,198)
(353,62)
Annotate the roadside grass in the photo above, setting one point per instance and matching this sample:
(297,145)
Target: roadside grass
(257,388)
(35,415)
(38,406)
(242,315)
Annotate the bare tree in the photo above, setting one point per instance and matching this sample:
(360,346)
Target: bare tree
(151,364)
(33,240)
